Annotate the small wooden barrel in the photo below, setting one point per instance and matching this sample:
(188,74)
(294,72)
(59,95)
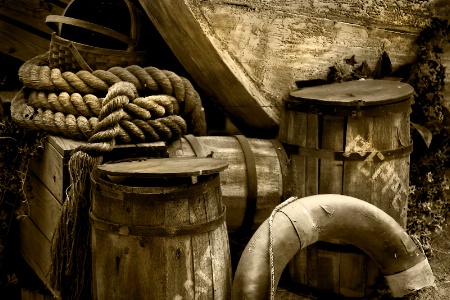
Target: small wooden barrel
(353,139)
(161,232)
(254,182)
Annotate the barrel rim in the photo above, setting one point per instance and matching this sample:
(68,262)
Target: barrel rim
(152,194)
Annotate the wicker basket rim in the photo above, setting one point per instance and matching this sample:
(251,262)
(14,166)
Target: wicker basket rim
(97,50)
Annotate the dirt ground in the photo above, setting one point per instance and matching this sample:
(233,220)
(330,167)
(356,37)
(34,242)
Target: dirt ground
(440,264)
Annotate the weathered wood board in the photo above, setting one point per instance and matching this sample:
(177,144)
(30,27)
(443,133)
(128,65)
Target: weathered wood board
(248,54)
(23,31)
(46,188)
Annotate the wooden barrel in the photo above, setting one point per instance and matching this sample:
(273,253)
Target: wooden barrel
(353,139)
(161,232)
(252,185)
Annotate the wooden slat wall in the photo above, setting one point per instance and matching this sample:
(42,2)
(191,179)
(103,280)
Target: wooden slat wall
(23,31)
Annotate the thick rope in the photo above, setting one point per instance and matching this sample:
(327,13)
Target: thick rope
(89,105)
(70,271)
(273,288)
(144,119)
(36,74)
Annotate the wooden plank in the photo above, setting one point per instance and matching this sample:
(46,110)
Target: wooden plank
(201,252)
(312,267)
(353,275)
(30,12)
(43,208)
(359,136)
(333,130)
(164,167)
(328,270)
(221,262)
(261,47)
(178,249)
(65,146)
(51,169)
(35,249)
(297,135)
(243,101)
(20,43)
(298,267)
(312,164)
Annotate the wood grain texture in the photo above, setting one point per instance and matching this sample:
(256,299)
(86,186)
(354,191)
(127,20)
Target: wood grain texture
(234,185)
(186,266)
(30,12)
(203,58)
(43,208)
(51,169)
(265,46)
(164,167)
(35,249)
(374,178)
(20,43)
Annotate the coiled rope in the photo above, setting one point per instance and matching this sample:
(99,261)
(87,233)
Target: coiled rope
(37,75)
(152,118)
(70,271)
(71,104)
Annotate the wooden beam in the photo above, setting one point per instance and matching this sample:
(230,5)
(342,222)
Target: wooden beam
(247,106)
(20,43)
(30,12)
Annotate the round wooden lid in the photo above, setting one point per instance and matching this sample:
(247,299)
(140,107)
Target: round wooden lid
(370,92)
(164,167)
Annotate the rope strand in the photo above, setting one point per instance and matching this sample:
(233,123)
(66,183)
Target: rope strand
(271,259)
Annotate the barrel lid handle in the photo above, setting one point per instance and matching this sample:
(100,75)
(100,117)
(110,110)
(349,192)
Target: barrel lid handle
(164,167)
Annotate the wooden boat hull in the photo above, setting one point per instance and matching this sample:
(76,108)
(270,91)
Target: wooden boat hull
(248,54)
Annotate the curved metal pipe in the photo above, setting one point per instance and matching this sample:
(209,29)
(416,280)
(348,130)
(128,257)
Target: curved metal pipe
(326,218)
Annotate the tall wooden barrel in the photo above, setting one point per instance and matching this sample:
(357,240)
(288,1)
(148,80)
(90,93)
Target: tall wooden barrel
(254,182)
(348,138)
(161,232)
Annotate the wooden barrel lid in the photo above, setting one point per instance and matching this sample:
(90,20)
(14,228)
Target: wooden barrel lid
(164,167)
(350,93)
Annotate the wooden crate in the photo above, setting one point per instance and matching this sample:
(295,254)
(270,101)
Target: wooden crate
(46,189)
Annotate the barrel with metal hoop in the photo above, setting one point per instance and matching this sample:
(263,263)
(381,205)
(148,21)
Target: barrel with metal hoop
(348,138)
(254,182)
(158,230)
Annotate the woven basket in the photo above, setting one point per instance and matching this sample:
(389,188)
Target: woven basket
(69,55)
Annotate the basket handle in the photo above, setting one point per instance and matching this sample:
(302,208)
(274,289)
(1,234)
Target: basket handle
(91,26)
(79,58)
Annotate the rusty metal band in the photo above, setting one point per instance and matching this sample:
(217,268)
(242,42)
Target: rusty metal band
(114,191)
(157,231)
(357,109)
(195,145)
(283,160)
(252,185)
(373,156)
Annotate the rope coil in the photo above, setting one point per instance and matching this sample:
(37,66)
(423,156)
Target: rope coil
(71,104)
(37,75)
(143,119)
